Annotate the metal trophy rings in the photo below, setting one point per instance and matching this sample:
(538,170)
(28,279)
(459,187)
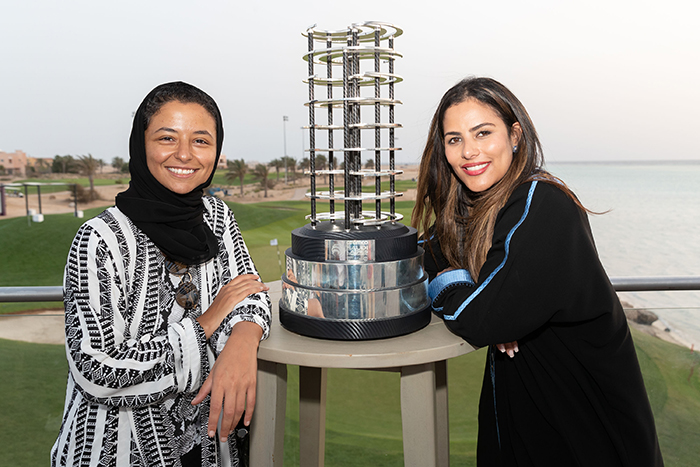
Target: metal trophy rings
(354,273)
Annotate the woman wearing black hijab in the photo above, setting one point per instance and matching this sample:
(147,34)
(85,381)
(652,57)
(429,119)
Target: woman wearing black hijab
(163,305)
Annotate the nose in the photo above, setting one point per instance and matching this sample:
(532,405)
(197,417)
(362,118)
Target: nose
(470,150)
(183,152)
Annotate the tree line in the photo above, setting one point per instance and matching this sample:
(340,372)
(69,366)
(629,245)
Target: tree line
(237,169)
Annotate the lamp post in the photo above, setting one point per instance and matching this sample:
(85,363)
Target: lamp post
(285,119)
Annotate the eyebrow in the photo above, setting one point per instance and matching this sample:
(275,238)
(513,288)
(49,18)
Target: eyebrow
(171,130)
(480,126)
(471,130)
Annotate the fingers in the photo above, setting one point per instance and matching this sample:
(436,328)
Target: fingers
(203,391)
(511,348)
(233,411)
(234,379)
(235,404)
(215,404)
(250,406)
(242,286)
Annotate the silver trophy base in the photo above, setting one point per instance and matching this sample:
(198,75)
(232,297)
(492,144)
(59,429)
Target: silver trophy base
(356,298)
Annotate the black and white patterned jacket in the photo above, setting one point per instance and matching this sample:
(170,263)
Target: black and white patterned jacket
(136,357)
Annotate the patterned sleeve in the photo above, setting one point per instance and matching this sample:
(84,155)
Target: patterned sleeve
(234,253)
(119,352)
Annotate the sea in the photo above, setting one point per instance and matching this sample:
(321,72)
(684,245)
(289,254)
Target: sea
(650,226)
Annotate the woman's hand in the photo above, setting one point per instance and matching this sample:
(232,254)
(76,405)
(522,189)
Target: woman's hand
(226,300)
(232,380)
(510,348)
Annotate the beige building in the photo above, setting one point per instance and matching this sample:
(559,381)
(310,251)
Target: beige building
(15,163)
(222,162)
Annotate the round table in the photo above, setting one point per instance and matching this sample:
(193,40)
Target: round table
(420,357)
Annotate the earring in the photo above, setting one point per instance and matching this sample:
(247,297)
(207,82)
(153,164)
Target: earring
(515,148)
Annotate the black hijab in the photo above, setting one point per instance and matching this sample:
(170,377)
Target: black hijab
(174,222)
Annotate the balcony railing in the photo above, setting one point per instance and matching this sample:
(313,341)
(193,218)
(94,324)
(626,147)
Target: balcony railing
(621,284)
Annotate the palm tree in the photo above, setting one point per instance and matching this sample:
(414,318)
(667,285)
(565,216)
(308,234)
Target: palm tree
(277,164)
(289,163)
(369,164)
(261,173)
(88,167)
(237,170)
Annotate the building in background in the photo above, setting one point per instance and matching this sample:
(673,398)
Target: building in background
(15,163)
(39,165)
(222,162)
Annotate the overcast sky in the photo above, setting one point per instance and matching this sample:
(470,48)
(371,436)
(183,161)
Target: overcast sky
(602,80)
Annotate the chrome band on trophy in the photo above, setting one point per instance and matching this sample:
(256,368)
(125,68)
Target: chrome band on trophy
(354,273)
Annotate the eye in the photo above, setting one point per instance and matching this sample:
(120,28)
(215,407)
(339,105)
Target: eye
(201,141)
(166,138)
(483,133)
(454,140)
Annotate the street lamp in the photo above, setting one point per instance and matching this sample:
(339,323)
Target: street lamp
(285,119)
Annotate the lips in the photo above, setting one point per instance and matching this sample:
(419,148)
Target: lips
(475,169)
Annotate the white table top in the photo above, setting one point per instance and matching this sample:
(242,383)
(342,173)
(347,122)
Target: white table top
(430,344)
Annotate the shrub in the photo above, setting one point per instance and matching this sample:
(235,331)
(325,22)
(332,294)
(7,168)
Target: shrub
(85,195)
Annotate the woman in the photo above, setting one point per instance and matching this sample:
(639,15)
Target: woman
(573,394)
(163,305)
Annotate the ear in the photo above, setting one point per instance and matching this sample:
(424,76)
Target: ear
(516,132)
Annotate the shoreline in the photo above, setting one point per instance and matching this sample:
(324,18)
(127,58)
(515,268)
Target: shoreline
(649,323)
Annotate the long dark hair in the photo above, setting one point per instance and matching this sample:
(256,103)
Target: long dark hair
(464,220)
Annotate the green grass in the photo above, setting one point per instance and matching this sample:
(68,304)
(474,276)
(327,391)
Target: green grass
(33,389)
(363,414)
(671,374)
(363,418)
(277,220)
(35,253)
(221,180)
(46,189)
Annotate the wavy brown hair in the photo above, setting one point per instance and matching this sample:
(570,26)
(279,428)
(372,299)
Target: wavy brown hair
(463,220)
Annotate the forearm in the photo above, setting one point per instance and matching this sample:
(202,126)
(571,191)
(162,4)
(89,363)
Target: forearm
(136,372)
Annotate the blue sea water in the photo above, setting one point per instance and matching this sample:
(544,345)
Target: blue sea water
(652,228)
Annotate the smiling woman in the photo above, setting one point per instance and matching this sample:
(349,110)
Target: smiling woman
(511,258)
(181,146)
(478,145)
(164,306)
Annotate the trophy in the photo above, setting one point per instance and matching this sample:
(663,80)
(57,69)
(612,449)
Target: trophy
(353,273)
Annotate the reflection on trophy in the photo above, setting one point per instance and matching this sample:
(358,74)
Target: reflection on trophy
(354,273)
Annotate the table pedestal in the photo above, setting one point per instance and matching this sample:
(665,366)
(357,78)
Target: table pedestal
(420,357)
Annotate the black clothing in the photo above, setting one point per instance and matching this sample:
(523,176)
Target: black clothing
(174,222)
(574,394)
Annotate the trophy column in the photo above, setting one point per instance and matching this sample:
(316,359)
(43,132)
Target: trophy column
(354,273)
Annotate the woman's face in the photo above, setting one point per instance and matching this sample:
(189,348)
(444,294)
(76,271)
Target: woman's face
(181,146)
(477,144)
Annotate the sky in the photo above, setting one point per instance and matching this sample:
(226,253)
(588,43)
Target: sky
(602,80)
